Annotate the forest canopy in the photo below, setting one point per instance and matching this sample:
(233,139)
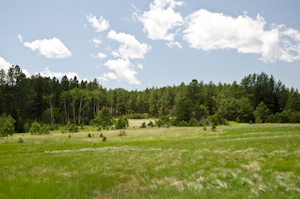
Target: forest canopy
(258,97)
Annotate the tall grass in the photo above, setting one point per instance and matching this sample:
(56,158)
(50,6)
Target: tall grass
(243,161)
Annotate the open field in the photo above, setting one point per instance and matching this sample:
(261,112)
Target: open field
(238,161)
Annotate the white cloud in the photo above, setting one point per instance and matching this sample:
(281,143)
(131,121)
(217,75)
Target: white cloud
(108,48)
(52,48)
(4,64)
(171,44)
(48,73)
(160,19)
(100,55)
(20,38)
(96,42)
(115,54)
(107,76)
(26,72)
(99,24)
(130,47)
(124,70)
(140,66)
(209,31)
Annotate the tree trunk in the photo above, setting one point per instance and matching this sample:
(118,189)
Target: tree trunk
(74,119)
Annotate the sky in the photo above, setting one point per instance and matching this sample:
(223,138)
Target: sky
(135,44)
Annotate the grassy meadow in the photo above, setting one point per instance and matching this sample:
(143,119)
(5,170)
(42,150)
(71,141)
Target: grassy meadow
(237,161)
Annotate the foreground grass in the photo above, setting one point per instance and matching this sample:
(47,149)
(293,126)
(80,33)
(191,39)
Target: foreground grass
(242,161)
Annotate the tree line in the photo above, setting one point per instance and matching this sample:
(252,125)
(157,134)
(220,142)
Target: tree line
(257,98)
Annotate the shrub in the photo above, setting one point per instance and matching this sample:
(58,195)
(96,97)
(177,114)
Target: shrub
(182,123)
(121,123)
(160,123)
(250,122)
(205,121)
(121,133)
(104,139)
(101,135)
(137,116)
(217,119)
(73,128)
(21,140)
(258,120)
(69,136)
(35,128)
(89,135)
(165,119)
(99,129)
(44,130)
(150,124)
(63,131)
(193,122)
(213,127)
(143,125)
(103,119)
(82,126)
(238,120)
(204,129)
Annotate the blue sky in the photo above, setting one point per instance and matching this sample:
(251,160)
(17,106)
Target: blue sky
(135,44)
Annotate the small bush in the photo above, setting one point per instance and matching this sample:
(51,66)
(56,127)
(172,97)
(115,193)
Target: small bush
(82,126)
(72,128)
(250,122)
(89,135)
(213,127)
(150,124)
(182,123)
(137,116)
(69,136)
(44,130)
(121,123)
(160,122)
(143,125)
(121,133)
(104,139)
(101,135)
(205,121)
(193,122)
(63,131)
(99,129)
(258,120)
(21,140)
(204,129)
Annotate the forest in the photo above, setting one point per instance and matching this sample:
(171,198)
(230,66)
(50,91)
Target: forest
(258,98)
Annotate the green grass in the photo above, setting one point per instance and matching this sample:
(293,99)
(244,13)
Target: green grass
(238,161)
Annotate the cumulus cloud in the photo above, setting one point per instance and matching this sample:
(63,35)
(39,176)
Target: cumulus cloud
(209,31)
(140,66)
(20,38)
(96,42)
(26,72)
(4,64)
(171,44)
(100,55)
(107,76)
(130,47)
(52,48)
(160,19)
(123,70)
(99,24)
(48,73)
